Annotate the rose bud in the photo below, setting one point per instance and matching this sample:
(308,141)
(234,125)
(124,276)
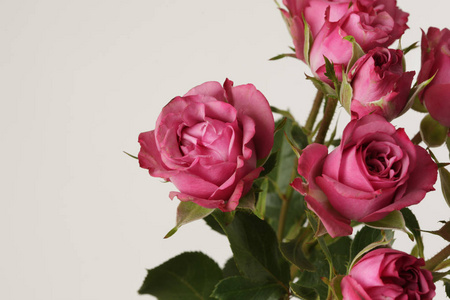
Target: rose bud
(375,170)
(314,14)
(207,143)
(436,61)
(330,43)
(388,274)
(379,84)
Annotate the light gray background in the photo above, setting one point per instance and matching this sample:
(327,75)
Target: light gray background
(79,81)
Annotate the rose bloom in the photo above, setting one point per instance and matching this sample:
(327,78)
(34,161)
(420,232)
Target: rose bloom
(371,22)
(436,60)
(207,143)
(388,274)
(375,170)
(379,84)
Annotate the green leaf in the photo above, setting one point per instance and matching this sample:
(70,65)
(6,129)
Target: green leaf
(444,176)
(346,93)
(313,280)
(280,124)
(432,132)
(357,51)
(293,252)
(418,106)
(393,220)
(331,73)
(439,275)
(298,136)
(447,286)
(448,146)
(303,292)
(262,196)
(190,275)
(410,47)
(280,56)
(367,236)
(241,288)
(293,145)
(286,159)
(132,156)
(414,93)
(413,225)
(188,212)
(248,201)
(364,237)
(336,287)
(323,87)
(284,113)
(443,232)
(340,249)
(295,212)
(230,269)
(270,163)
(443,265)
(213,224)
(366,240)
(281,176)
(255,249)
(307,41)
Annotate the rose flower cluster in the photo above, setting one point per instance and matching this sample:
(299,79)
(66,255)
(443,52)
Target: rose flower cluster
(212,142)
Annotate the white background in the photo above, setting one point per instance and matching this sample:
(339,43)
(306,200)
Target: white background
(79,81)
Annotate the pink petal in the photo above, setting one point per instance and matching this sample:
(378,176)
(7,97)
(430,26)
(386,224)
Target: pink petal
(352,290)
(437,100)
(149,156)
(250,102)
(193,185)
(211,88)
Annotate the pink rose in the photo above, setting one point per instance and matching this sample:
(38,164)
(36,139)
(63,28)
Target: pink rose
(375,23)
(388,274)
(379,84)
(375,170)
(436,60)
(207,143)
(372,23)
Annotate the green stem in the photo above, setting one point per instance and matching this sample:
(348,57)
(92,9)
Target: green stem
(433,262)
(282,219)
(326,121)
(314,112)
(286,198)
(416,139)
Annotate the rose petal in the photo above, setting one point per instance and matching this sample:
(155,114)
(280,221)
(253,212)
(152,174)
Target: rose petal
(149,156)
(352,290)
(250,102)
(210,88)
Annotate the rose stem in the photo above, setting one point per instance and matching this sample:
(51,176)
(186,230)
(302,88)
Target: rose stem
(326,121)
(433,262)
(416,139)
(314,112)
(286,199)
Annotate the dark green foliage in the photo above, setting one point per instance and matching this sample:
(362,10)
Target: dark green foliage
(255,249)
(190,275)
(241,288)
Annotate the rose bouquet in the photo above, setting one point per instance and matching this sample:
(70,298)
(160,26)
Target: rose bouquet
(311,212)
